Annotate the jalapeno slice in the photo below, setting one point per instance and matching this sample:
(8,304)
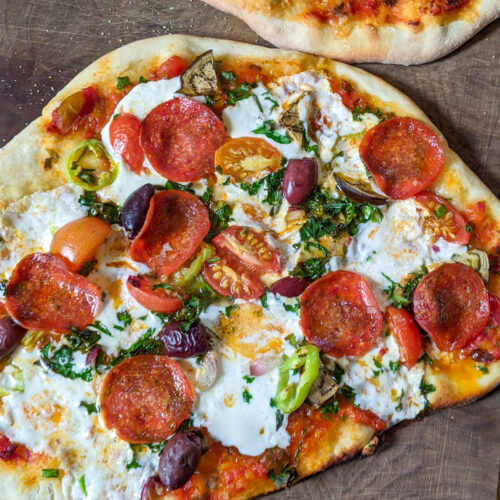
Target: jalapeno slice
(290,396)
(90,166)
(186,275)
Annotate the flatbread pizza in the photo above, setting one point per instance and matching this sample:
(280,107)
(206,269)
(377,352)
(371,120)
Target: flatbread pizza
(386,31)
(226,268)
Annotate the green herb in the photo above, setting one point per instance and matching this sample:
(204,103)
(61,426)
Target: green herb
(143,80)
(268,129)
(218,169)
(482,369)
(308,146)
(274,104)
(81,482)
(294,308)
(228,75)
(156,447)
(272,184)
(107,210)
(425,357)
(399,407)
(290,338)
(86,175)
(244,91)
(310,269)
(348,391)
(279,418)
(134,464)
(178,187)
(426,388)
(380,367)
(468,228)
(219,212)
(337,373)
(124,318)
(246,395)
(259,105)
(358,111)
(146,344)
(90,407)
(248,379)
(440,211)
(209,100)
(122,82)
(330,408)
(3,287)
(99,326)
(229,309)
(394,366)
(263,301)
(50,473)
(285,478)
(400,295)
(88,267)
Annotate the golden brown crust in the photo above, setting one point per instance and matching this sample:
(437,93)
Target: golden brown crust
(21,173)
(365,42)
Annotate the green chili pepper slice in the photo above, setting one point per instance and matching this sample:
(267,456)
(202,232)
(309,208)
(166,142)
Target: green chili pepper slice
(290,396)
(90,166)
(186,275)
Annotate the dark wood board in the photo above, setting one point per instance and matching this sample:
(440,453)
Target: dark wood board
(453,454)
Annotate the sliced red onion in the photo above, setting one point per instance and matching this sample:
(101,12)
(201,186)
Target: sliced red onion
(8,452)
(152,489)
(263,365)
(435,248)
(92,356)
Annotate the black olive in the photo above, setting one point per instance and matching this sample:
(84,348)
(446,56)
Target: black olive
(290,286)
(179,459)
(181,344)
(135,209)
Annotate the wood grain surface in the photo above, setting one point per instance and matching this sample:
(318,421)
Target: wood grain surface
(453,454)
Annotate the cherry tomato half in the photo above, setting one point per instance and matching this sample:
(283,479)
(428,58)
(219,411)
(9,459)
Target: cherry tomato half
(442,219)
(153,295)
(230,277)
(251,247)
(78,241)
(247,159)
(124,135)
(172,67)
(407,335)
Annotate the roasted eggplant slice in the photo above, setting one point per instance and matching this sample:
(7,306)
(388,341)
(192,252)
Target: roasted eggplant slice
(200,77)
(290,121)
(477,260)
(358,190)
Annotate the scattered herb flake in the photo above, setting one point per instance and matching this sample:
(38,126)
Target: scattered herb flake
(122,82)
(50,473)
(246,395)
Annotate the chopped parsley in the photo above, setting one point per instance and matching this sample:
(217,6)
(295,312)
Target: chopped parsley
(229,309)
(294,308)
(348,391)
(50,473)
(358,111)
(426,389)
(143,80)
(228,75)
(99,326)
(146,344)
(81,482)
(379,366)
(179,187)
(244,91)
(394,366)
(483,369)
(308,146)
(263,301)
(90,407)
(122,82)
(268,128)
(426,358)
(399,406)
(248,379)
(440,211)
(88,267)
(310,269)
(272,184)
(284,478)
(330,408)
(468,228)
(219,212)
(274,103)
(124,318)
(400,295)
(106,210)
(246,395)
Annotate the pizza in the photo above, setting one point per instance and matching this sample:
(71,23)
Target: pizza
(225,268)
(386,31)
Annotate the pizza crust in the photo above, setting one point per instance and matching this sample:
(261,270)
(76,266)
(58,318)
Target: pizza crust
(22,173)
(365,43)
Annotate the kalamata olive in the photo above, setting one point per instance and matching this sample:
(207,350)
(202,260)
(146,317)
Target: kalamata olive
(290,286)
(180,344)
(152,489)
(179,459)
(10,335)
(135,209)
(299,179)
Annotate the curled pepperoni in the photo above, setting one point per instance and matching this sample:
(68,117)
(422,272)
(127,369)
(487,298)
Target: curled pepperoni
(43,294)
(175,226)
(403,155)
(451,304)
(124,136)
(340,315)
(146,398)
(180,138)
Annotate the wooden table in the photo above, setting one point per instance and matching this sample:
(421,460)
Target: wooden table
(453,454)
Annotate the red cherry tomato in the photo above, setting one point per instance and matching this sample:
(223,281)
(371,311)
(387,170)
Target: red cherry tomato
(78,241)
(175,226)
(403,155)
(145,398)
(339,314)
(155,298)
(124,135)
(230,277)
(78,104)
(172,67)
(251,247)
(441,218)
(451,304)
(406,333)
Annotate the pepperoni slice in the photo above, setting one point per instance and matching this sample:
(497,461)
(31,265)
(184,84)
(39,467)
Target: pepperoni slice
(441,218)
(340,315)
(180,138)
(451,304)
(146,398)
(403,155)
(175,226)
(43,294)
(124,136)
(230,277)
(251,247)
(406,333)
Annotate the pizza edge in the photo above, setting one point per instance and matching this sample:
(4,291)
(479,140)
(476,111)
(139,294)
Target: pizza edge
(365,43)
(29,149)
